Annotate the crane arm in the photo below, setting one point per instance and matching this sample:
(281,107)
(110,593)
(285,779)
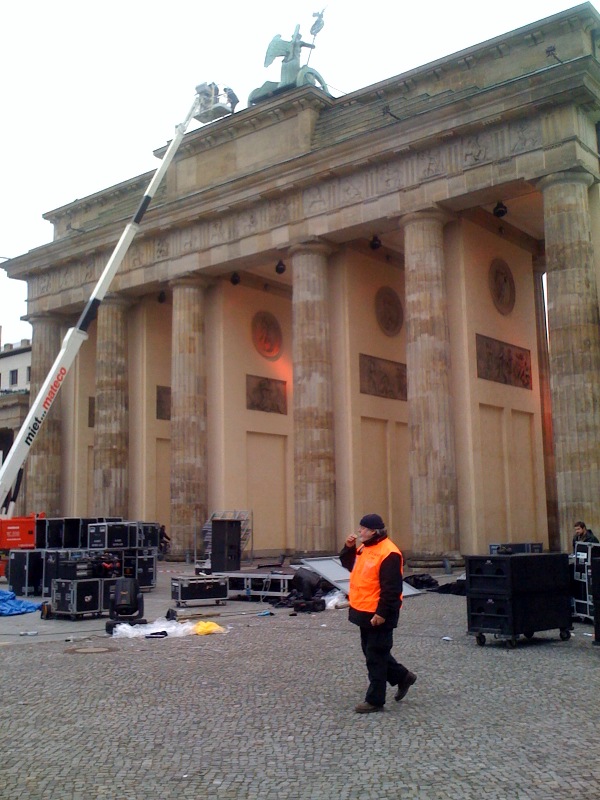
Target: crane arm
(75,337)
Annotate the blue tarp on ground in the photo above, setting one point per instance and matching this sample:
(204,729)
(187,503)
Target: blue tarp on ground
(11,605)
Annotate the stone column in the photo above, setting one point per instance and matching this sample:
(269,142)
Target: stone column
(539,268)
(314,460)
(111,428)
(431,458)
(189,449)
(574,333)
(43,467)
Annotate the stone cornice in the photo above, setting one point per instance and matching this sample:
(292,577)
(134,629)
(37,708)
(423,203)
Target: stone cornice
(117,192)
(578,80)
(583,17)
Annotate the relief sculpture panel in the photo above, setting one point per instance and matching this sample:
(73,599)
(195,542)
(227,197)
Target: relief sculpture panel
(265,394)
(382,378)
(503,362)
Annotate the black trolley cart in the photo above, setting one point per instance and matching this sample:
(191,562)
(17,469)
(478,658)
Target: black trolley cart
(521,594)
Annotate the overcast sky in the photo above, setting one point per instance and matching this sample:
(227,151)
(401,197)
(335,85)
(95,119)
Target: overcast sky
(89,91)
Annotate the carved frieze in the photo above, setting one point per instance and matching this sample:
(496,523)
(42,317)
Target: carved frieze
(382,378)
(476,149)
(502,362)
(524,135)
(431,163)
(390,177)
(161,248)
(497,143)
(353,189)
(280,211)
(266,394)
(316,199)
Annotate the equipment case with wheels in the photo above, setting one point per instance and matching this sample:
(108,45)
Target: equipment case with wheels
(25,572)
(186,588)
(76,598)
(521,594)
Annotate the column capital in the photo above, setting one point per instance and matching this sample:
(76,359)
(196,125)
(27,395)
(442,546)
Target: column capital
(312,245)
(115,299)
(45,316)
(192,279)
(436,214)
(569,176)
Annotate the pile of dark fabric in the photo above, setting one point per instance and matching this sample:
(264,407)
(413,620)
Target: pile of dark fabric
(421,581)
(458,587)
(428,583)
(308,592)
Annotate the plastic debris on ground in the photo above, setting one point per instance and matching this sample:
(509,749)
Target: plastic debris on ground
(172,628)
(335,599)
(10,605)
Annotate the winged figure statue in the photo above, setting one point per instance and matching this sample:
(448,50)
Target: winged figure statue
(292,74)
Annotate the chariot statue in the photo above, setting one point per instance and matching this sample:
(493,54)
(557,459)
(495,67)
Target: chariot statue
(292,74)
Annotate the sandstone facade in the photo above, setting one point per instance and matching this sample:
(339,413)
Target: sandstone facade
(412,378)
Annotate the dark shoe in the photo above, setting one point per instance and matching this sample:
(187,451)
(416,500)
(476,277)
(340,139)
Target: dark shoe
(367,708)
(405,685)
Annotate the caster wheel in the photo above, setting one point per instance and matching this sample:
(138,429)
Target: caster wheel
(512,643)
(565,634)
(480,639)
(528,634)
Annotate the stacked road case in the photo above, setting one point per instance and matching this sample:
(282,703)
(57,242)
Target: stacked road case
(77,560)
(583,598)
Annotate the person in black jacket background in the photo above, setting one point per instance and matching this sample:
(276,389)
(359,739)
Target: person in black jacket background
(583,534)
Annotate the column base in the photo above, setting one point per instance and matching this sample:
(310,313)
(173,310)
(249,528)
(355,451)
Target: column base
(447,561)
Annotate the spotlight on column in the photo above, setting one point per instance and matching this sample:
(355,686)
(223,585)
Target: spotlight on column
(235,279)
(500,210)
(280,267)
(162,297)
(375,243)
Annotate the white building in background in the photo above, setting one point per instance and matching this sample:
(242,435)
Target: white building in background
(15,374)
(15,366)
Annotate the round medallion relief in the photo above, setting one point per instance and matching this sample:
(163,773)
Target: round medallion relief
(266,334)
(502,286)
(388,310)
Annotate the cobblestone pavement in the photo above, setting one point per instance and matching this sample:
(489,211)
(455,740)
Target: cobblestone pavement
(265,712)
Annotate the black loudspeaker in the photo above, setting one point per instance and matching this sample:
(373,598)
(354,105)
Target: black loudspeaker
(226,545)
(41,526)
(54,533)
(25,572)
(72,533)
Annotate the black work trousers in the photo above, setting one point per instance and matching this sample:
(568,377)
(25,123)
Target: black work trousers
(376,643)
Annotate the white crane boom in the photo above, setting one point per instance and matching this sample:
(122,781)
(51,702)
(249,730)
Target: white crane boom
(11,470)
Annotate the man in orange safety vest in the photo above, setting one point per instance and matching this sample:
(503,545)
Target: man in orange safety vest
(375,565)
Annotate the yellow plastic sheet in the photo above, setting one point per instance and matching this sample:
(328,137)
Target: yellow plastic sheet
(202,628)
